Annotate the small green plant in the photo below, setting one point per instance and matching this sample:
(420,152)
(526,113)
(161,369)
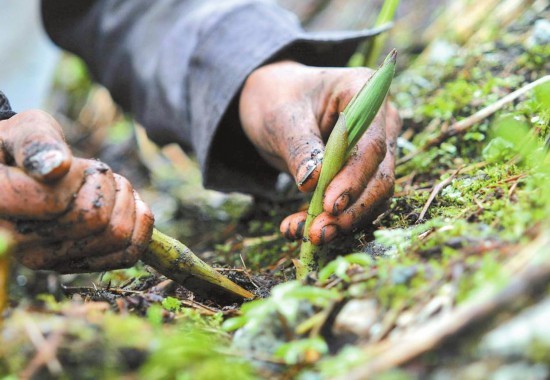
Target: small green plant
(285,301)
(351,125)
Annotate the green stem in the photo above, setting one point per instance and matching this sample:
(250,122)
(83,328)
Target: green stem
(351,125)
(374,46)
(176,261)
(6,246)
(334,157)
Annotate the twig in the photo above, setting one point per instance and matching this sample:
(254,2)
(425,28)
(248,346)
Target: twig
(248,274)
(512,190)
(203,309)
(437,188)
(46,350)
(465,124)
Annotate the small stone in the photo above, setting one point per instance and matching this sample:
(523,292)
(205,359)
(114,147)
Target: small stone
(541,33)
(356,317)
(515,337)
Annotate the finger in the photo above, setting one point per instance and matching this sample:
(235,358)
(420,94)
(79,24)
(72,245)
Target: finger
(143,228)
(117,236)
(55,257)
(119,247)
(34,140)
(363,163)
(374,198)
(292,227)
(89,212)
(393,125)
(92,207)
(112,261)
(300,145)
(25,198)
(45,256)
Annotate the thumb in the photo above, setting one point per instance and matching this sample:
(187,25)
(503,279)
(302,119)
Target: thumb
(34,140)
(304,153)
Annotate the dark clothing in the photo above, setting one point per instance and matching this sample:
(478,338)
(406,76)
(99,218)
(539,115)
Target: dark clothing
(178,67)
(5,108)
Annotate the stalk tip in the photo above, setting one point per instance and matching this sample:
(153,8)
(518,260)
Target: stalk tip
(392,57)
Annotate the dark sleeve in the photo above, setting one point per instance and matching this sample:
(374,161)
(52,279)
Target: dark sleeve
(178,66)
(5,108)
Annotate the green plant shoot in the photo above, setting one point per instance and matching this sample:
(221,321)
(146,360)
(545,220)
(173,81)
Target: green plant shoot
(351,125)
(177,262)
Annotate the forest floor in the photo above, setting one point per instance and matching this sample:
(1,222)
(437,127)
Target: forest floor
(452,281)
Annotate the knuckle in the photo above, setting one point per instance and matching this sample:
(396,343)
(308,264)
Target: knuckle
(387,178)
(378,147)
(121,232)
(29,261)
(130,256)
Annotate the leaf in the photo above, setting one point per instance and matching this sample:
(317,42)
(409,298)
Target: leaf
(304,350)
(234,323)
(171,304)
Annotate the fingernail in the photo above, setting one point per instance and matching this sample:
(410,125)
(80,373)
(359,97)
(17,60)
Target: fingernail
(340,204)
(43,162)
(306,170)
(328,233)
(309,167)
(288,235)
(300,230)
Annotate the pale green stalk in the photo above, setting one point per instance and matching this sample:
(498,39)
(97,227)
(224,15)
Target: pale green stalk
(374,47)
(334,157)
(6,244)
(174,260)
(349,128)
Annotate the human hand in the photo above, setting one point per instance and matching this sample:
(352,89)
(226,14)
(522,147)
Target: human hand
(288,110)
(66,214)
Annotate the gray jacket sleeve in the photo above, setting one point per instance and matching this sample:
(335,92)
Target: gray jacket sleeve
(178,67)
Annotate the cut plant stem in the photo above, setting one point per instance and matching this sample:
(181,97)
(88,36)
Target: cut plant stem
(351,125)
(176,261)
(6,245)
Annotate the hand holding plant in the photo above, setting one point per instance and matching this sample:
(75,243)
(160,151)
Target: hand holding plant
(288,111)
(65,213)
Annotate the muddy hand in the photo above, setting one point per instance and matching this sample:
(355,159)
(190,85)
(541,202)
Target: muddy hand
(67,214)
(287,110)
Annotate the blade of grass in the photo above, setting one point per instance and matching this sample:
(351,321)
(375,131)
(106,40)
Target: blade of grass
(351,125)
(374,47)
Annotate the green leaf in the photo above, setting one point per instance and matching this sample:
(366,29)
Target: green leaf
(171,304)
(296,351)
(154,315)
(233,324)
(542,94)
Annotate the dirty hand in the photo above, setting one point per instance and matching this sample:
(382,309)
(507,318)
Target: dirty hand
(66,214)
(288,110)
